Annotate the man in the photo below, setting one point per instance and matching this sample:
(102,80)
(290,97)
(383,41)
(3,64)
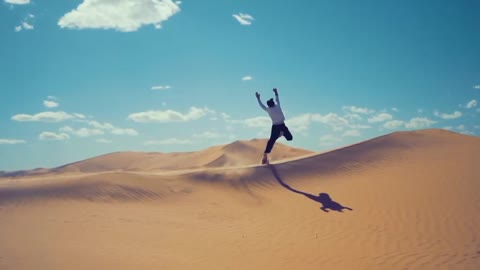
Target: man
(278,123)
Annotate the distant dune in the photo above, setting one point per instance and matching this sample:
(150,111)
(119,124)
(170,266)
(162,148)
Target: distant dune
(238,153)
(406,200)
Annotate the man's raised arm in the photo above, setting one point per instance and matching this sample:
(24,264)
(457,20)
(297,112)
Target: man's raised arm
(260,102)
(277,99)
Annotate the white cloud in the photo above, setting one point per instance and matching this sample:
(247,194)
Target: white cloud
(355,109)
(168,141)
(454,115)
(96,124)
(124,131)
(414,123)
(82,132)
(395,109)
(43,117)
(247,78)
(209,135)
(331,119)
(302,122)
(98,129)
(113,129)
(79,115)
(243,19)
(260,121)
(169,115)
(467,132)
(351,133)
(67,129)
(50,104)
(103,141)
(393,124)
(381,117)
(161,87)
(328,139)
(225,116)
(460,128)
(51,136)
(353,117)
(121,15)
(419,122)
(263,134)
(477,86)
(299,123)
(11,141)
(359,126)
(17,2)
(472,103)
(87,132)
(178,3)
(27,26)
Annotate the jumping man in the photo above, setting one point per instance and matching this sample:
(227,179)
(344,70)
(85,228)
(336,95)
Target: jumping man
(278,123)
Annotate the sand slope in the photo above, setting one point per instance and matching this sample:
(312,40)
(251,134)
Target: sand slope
(413,198)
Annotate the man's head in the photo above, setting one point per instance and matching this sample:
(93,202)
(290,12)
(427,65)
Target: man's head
(270,103)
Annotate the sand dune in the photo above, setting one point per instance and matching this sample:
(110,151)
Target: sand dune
(406,200)
(234,154)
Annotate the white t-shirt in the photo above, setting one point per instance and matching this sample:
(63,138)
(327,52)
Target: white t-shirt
(275,112)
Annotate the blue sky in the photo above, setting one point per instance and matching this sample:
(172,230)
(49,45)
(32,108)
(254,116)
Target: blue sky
(88,77)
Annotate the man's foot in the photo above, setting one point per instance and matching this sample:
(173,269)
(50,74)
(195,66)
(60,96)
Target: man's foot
(265,159)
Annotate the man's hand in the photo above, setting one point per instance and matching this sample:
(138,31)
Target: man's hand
(275,91)
(257,95)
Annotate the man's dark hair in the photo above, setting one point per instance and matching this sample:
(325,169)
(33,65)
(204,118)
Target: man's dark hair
(270,103)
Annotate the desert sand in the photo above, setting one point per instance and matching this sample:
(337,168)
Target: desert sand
(406,200)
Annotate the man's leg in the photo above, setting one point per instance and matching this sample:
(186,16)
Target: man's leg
(273,137)
(287,133)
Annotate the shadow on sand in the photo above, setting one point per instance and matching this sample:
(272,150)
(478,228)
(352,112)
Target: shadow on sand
(323,198)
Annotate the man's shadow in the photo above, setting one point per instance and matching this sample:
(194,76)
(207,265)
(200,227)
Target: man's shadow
(323,198)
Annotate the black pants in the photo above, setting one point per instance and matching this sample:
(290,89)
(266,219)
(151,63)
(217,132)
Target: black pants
(276,129)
